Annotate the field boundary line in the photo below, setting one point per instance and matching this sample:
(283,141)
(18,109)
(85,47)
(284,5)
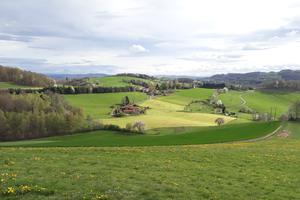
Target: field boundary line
(261,138)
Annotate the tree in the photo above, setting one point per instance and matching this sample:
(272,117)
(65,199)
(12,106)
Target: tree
(140,126)
(125,101)
(294,111)
(129,126)
(219,121)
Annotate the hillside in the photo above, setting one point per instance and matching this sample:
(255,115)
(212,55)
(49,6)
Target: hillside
(255,78)
(24,78)
(122,80)
(74,76)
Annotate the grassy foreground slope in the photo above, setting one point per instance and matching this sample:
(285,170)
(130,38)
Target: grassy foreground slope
(245,170)
(188,136)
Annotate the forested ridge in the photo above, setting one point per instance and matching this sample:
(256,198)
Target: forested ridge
(22,77)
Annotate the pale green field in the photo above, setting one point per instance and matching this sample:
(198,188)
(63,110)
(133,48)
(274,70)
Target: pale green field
(164,114)
(166,111)
(98,105)
(183,97)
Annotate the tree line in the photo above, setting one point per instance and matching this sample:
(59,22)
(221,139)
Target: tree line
(71,90)
(21,77)
(282,84)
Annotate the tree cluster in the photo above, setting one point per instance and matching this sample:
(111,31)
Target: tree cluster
(72,90)
(21,77)
(282,84)
(143,76)
(37,115)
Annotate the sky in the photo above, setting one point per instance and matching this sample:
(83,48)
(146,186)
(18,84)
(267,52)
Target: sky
(156,37)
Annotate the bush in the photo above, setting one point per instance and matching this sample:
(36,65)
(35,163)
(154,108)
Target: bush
(139,126)
(245,109)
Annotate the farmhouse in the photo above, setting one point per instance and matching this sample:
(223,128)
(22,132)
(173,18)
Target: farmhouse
(130,109)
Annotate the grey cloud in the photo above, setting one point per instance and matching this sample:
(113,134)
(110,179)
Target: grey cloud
(10,37)
(221,58)
(21,61)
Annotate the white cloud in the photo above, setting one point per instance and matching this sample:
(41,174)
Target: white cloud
(136,48)
(196,37)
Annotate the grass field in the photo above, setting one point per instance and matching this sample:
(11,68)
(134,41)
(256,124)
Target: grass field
(7,85)
(98,105)
(187,136)
(163,111)
(115,81)
(260,101)
(164,114)
(167,162)
(183,97)
(244,170)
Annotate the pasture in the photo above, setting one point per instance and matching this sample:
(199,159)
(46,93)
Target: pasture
(266,169)
(260,101)
(98,105)
(7,85)
(159,137)
(166,111)
(182,155)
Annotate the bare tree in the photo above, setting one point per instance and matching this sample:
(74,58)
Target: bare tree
(140,126)
(219,121)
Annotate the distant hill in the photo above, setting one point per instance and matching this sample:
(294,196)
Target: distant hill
(24,78)
(75,76)
(255,78)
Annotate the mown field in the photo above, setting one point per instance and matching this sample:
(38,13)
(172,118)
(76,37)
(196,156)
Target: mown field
(266,169)
(159,137)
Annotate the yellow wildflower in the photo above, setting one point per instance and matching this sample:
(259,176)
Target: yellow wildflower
(10,190)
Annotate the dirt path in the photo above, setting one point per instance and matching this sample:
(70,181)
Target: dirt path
(243,100)
(261,138)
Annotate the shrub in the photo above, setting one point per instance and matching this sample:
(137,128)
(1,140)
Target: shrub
(129,126)
(245,109)
(139,126)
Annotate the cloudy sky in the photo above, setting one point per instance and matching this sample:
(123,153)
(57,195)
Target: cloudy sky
(184,37)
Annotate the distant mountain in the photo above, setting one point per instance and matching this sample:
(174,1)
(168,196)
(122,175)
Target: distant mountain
(74,76)
(255,78)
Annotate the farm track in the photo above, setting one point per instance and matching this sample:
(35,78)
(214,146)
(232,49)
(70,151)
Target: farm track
(243,101)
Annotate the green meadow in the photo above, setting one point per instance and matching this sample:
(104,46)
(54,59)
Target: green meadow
(98,105)
(266,169)
(7,85)
(115,81)
(159,137)
(182,155)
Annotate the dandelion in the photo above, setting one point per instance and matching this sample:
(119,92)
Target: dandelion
(24,188)
(10,190)
(101,197)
